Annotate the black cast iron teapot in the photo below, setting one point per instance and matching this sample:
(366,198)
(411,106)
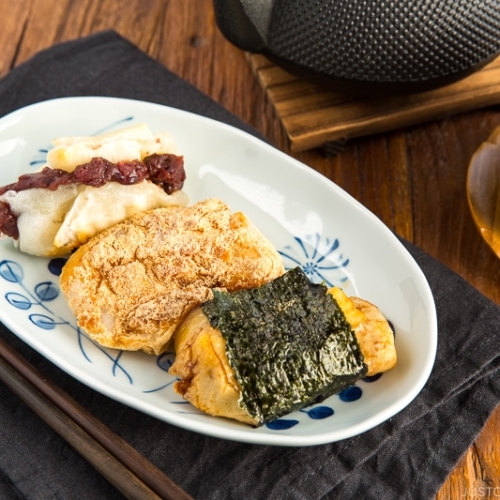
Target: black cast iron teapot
(367,46)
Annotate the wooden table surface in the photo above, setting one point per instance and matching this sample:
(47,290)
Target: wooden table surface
(413,179)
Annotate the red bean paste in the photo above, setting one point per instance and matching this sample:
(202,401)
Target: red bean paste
(164,170)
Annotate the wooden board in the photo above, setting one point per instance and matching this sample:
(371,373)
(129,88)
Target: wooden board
(315,117)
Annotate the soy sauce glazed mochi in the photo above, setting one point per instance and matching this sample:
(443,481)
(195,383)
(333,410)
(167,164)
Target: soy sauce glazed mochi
(258,354)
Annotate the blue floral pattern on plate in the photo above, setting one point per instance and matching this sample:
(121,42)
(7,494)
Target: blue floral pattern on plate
(37,299)
(320,258)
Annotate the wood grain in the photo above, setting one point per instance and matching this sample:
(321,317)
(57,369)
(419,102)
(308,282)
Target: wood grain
(412,177)
(312,116)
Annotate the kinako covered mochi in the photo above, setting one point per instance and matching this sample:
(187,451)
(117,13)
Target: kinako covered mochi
(131,285)
(255,355)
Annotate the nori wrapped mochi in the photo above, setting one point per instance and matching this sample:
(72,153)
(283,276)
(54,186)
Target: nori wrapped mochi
(288,343)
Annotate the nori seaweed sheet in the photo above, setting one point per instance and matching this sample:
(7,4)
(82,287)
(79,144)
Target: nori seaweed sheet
(288,343)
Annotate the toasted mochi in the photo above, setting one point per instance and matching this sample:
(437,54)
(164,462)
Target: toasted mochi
(132,284)
(374,334)
(207,379)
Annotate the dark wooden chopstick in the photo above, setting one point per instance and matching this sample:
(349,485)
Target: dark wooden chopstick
(121,464)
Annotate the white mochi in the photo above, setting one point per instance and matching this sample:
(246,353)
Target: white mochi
(131,143)
(112,203)
(55,222)
(40,214)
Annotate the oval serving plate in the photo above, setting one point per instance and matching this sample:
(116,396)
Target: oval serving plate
(310,220)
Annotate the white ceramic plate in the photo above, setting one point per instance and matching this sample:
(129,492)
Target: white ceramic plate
(310,220)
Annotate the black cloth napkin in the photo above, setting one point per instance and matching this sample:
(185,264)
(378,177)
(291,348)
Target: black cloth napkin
(407,457)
